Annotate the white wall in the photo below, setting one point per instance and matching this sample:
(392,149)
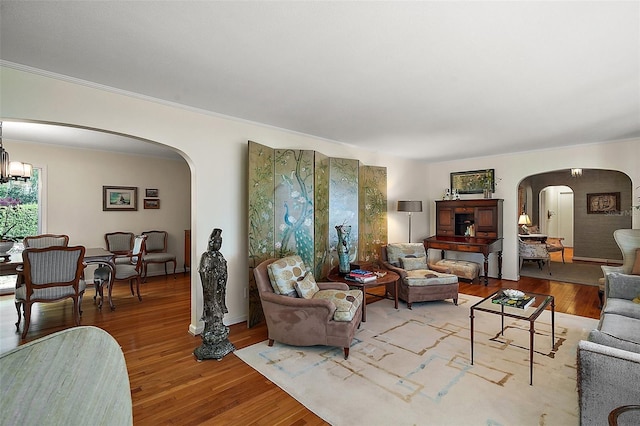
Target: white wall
(215,149)
(73,180)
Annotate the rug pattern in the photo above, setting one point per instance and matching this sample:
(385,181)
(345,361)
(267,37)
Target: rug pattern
(413,367)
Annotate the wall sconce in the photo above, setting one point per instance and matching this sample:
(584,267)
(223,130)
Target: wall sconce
(550,214)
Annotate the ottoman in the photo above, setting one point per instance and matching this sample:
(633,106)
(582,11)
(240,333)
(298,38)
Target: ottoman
(462,268)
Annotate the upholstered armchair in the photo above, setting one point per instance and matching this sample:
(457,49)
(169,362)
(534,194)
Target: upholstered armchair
(534,250)
(418,282)
(330,316)
(50,274)
(629,241)
(156,251)
(555,245)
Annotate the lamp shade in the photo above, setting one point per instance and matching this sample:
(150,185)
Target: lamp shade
(524,219)
(409,206)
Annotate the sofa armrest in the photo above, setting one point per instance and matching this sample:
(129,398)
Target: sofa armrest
(333,286)
(298,302)
(622,286)
(607,378)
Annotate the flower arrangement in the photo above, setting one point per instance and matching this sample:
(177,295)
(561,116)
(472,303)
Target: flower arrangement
(8,205)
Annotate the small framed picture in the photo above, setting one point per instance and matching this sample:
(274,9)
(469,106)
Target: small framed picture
(603,203)
(151,192)
(119,198)
(151,203)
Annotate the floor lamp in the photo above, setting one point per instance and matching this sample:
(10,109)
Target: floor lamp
(410,207)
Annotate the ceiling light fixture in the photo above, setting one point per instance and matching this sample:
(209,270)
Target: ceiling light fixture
(576,173)
(15,170)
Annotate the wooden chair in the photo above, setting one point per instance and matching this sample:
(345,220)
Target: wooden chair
(120,243)
(132,270)
(50,274)
(156,251)
(46,240)
(555,245)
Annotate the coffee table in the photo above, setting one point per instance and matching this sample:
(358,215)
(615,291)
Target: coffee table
(528,314)
(389,278)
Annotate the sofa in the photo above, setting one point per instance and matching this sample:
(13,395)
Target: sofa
(609,360)
(77,376)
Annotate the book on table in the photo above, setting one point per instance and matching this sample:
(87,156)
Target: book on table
(361,276)
(521,302)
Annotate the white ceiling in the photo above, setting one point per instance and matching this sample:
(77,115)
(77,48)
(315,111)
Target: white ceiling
(430,80)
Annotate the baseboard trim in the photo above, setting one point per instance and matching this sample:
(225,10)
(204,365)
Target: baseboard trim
(598,260)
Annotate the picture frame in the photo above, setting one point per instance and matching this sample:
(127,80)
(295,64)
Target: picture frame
(151,203)
(151,192)
(473,181)
(603,203)
(119,198)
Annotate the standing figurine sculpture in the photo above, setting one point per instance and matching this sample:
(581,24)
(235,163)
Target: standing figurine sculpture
(213,274)
(344,232)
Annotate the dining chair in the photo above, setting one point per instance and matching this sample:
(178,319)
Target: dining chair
(46,240)
(132,270)
(50,274)
(120,243)
(156,251)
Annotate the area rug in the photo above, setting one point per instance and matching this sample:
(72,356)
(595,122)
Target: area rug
(412,367)
(577,273)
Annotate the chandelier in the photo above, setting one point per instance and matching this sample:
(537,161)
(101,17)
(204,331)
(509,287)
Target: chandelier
(576,173)
(9,170)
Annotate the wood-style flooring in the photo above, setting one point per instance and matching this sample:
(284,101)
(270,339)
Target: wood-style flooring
(168,386)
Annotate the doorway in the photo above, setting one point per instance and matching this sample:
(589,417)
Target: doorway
(556,213)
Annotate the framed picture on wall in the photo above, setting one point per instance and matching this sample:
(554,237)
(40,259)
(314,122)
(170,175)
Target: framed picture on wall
(473,182)
(603,203)
(119,198)
(151,192)
(151,203)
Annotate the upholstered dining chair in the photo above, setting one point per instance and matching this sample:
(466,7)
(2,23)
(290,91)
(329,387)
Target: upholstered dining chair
(50,274)
(46,240)
(156,251)
(132,270)
(120,243)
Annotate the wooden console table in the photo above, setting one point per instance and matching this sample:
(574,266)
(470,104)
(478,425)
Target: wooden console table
(468,245)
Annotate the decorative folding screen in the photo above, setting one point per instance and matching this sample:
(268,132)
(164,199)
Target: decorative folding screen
(297,197)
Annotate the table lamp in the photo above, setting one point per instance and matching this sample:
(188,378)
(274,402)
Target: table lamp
(524,221)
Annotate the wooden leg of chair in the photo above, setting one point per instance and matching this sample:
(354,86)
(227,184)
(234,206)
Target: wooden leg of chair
(409,305)
(346,353)
(138,288)
(174,269)
(270,342)
(18,305)
(562,255)
(455,301)
(27,319)
(131,286)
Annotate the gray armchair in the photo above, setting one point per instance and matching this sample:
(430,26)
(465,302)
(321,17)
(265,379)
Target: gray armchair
(132,270)
(120,243)
(298,321)
(628,240)
(50,274)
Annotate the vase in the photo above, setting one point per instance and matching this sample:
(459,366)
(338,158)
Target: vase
(344,232)
(5,246)
(487,193)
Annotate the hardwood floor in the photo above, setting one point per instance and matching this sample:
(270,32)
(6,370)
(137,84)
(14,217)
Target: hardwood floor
(169,386)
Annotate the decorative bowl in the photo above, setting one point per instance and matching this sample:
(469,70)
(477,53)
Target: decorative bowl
(5,246)
(513,294)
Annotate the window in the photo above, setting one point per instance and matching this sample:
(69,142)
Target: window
(19,208)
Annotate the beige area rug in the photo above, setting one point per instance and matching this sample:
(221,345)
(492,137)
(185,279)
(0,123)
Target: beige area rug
(577,273)
(412,367)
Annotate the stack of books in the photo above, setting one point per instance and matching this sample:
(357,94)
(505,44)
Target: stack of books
(521,302)
(361,276)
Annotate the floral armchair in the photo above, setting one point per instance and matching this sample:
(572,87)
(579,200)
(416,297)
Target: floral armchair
(534,250)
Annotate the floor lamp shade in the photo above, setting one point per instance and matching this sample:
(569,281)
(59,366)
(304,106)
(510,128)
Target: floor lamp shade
(410,207)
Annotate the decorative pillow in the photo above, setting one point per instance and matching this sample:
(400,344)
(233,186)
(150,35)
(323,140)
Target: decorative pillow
(306,286)
(396,251)
(635,269)
(284,273)
(414,263)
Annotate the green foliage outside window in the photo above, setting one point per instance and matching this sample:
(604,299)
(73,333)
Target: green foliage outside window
(19,209)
